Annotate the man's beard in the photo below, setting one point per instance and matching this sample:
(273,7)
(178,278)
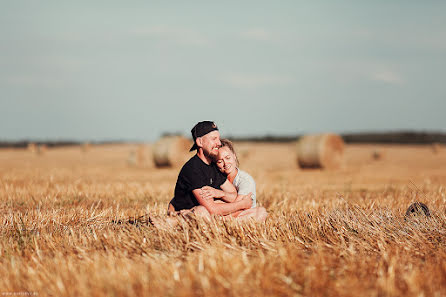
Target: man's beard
(211,156)
(214,158)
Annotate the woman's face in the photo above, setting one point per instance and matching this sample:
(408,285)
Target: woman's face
(226,161)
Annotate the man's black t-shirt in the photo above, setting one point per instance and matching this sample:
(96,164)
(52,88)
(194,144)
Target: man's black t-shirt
(195,174)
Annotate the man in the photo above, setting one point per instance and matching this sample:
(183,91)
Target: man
(199,172)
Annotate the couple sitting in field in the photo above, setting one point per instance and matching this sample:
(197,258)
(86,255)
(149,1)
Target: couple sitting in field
(211,183)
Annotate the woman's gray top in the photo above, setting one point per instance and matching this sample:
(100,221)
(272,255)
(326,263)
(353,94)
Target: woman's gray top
(245,184)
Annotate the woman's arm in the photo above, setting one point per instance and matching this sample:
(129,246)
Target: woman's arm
(228,193)
(229,197)
(247,186)
(221,208)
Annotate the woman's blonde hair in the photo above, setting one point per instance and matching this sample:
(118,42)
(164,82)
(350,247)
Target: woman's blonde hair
(227,143)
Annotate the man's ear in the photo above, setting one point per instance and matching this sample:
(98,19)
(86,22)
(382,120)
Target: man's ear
(199,141)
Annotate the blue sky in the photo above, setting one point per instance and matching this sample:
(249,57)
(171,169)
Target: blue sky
(134,70)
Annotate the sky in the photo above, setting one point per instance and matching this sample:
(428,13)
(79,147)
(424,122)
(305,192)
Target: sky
(133,70)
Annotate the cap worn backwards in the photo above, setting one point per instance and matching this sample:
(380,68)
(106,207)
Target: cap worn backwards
(201,129)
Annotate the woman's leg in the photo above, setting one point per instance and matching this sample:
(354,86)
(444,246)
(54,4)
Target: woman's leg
(259,214)
(171,220)
(168,222)
(201,211)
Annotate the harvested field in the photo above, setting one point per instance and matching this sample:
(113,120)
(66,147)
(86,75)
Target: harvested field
(329,233)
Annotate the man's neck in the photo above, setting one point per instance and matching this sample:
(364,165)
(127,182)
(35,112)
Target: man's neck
(203,157)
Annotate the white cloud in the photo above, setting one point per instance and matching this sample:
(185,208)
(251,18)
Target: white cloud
(387,76)
(31,81)
(257,34)
(255,80)
(436,41)
(178,35)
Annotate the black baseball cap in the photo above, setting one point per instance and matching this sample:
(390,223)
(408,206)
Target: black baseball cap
(201,129)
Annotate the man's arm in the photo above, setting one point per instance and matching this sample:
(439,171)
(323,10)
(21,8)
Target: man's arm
(228,193)
(222,208)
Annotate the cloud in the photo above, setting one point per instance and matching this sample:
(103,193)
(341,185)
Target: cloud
(177,35)
(387,76)
(257,34)
(435,40)
(255,80)
(32,81)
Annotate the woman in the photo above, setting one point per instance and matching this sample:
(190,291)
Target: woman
(228,163)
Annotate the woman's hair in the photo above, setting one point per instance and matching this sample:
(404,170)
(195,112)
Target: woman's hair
(227,143)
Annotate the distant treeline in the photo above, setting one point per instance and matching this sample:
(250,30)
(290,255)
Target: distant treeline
(405,137)
(25,143)
(396,137)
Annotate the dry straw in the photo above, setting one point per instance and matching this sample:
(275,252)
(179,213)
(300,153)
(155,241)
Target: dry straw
(171,151)
(320,151)
(60,233)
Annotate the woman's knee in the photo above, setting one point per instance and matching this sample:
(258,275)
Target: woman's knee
(261,214)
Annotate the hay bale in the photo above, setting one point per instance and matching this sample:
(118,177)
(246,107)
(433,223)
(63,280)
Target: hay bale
(141,156)
(85,147)
(171,151)
(436,147)
(131,159)
(320,151)
(41,149)
(32,147)
(376,155)
(137,156)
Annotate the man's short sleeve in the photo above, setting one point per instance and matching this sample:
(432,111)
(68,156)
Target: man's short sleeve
(221,179)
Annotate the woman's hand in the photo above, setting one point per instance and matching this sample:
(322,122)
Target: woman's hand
(245,199)
(209,193)
(240,197)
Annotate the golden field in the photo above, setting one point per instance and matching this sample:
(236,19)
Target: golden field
(329,233)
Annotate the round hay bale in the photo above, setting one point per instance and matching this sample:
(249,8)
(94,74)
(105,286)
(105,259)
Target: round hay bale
(320,151)
(171,151)
(32,147)
(376,155)
(436,147)
(131,159)
(141,157)
(85,147)
(418,209)
(41,149)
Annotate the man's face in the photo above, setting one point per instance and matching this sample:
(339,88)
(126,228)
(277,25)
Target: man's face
(210,144)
